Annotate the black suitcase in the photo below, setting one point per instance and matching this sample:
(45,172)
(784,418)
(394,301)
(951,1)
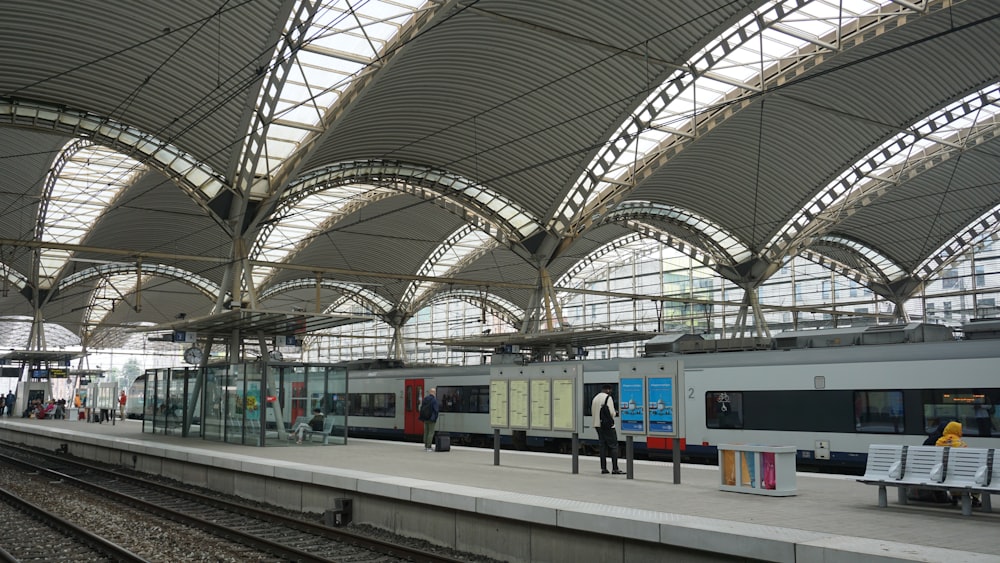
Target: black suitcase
(442,442)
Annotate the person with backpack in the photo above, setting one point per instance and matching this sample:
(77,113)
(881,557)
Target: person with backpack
(429,415)
(602,409)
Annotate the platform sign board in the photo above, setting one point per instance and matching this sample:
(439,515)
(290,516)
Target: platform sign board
(632,405)
(661,396)
(518,404)
(564,392)
(104,395)
(498,403)
(538,397)
(541,404)
(186,336)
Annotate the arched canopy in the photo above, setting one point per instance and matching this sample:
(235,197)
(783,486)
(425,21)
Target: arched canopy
(347,145)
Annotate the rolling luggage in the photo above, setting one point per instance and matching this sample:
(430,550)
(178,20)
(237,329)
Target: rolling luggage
(442,442)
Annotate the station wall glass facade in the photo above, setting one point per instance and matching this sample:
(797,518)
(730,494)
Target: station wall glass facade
(969,288)
(251,403)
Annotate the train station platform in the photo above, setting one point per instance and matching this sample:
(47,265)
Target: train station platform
(531,507)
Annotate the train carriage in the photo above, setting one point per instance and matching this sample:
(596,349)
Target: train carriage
(827,393)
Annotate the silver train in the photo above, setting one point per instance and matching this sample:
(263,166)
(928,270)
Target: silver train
(829,393)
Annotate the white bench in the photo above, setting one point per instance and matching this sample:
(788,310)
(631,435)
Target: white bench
(988,478)
(960,470)
(963,467)
(884,469)
(308,433)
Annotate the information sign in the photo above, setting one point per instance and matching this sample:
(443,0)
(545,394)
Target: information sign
(519,404)
(563,401)
(498,403)
(541,404)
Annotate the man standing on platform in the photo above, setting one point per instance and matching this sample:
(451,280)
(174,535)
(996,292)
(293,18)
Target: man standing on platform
(121,405)
(602,410)
(429,415)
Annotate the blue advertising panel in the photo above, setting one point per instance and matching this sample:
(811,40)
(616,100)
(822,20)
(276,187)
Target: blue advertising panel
(632,404)
(661,404)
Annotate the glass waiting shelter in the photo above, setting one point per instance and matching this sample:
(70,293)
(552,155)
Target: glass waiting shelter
(251,403)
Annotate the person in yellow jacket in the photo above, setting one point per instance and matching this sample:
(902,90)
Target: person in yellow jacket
(952,436)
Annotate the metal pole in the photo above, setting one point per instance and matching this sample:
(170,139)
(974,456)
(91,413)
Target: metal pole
(576,453)
(676,457)
(629,456)
(496,446)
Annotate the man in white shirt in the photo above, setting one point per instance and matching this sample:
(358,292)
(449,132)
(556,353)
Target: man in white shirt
(606,434)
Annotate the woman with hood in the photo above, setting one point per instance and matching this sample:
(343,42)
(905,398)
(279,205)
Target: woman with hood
(938,431)
(952,436)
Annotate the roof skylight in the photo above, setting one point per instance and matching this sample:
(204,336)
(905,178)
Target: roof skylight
(763,44)
(344,38)
(950,128)
(91,178)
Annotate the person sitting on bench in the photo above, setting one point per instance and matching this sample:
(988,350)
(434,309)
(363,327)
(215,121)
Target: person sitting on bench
(315,423)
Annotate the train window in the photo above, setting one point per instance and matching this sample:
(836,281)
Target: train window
(723,409)
(974,408)
(878,411)
(793,410)
(590,390)
(372,404)
(466,398)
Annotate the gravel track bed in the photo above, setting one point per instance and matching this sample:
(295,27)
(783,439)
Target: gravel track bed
(144,534)
(163,540)
(27,539)
(360,529)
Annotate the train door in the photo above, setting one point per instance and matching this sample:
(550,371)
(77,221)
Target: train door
(414,392)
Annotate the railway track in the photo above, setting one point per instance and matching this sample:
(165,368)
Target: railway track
(260,531)
(31,533)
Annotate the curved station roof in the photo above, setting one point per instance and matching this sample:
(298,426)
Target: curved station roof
(164,159)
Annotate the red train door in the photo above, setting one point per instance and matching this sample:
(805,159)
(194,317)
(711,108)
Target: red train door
(414,391)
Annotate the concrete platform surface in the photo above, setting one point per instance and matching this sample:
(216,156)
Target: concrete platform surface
(829,513)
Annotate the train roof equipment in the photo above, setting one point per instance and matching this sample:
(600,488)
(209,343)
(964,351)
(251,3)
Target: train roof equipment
(817,338)
(981,329)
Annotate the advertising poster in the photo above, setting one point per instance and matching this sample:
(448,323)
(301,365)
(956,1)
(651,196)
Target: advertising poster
(252,402)
(632,404)
(661,404)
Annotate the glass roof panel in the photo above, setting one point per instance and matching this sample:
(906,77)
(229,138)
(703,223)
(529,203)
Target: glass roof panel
(107,294)
(90,179)
(722,68)
(948,127)
(461,244)
(306,220)
(344,38)
(886,266)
